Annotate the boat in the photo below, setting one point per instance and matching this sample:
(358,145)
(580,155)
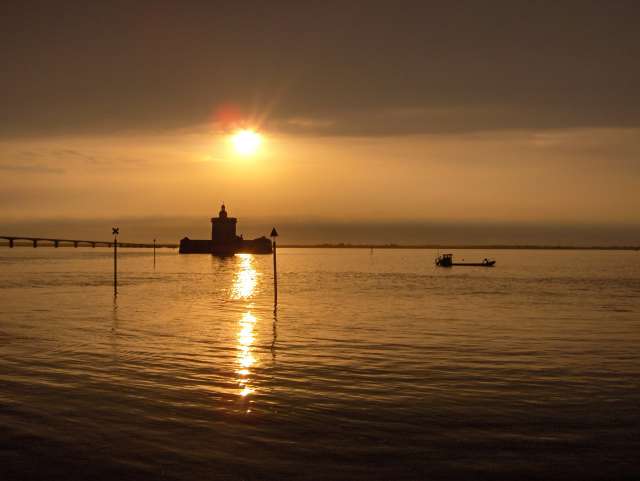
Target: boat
(446,260)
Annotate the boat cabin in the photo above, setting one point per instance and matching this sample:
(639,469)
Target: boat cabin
(445,260)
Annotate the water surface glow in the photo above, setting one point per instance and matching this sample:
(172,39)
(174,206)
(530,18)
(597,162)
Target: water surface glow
(375,366)
(246,277)
(245,357)
(243,289)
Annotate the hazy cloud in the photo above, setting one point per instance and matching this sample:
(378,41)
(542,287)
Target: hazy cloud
(171,229)
(503,110)
(328,68)
(31,168)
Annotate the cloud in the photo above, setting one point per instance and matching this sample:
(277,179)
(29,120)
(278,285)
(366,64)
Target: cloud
(322,68)
(51,155)
(31,168)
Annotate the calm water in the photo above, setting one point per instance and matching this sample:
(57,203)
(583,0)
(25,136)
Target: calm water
(375,366)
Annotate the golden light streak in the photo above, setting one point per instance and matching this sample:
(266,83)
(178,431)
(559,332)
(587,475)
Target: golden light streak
(246,278)
(243,288)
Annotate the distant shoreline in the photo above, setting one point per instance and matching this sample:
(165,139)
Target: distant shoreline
(388,246)
(454,247)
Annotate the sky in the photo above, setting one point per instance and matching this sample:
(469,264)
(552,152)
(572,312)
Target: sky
(370,112)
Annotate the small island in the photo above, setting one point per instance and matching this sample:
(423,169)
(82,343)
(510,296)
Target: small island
(224,241)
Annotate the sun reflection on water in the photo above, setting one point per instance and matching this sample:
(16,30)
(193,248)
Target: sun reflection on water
(243,289)
(246,278)
(245,357)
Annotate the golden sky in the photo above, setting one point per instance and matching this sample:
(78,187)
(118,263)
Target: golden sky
(507,112)
(581,175)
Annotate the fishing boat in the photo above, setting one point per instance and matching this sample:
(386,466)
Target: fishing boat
(446,260)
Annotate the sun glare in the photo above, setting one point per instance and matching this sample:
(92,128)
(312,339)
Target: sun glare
(246,142)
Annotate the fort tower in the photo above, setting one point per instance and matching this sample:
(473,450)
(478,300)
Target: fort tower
(223,228)
(224,241)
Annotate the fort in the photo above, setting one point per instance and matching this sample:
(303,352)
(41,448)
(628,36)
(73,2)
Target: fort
(224,241)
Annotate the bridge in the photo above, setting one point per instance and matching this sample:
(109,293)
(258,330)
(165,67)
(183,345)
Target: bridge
(77,242)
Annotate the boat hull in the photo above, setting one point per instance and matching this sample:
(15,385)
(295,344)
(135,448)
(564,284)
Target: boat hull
(475,264)
(446,260)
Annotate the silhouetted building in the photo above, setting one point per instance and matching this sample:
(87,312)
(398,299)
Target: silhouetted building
(224,240)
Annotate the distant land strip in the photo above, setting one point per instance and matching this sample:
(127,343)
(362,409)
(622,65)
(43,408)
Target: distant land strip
(99,244)
(451,246)
(376,246)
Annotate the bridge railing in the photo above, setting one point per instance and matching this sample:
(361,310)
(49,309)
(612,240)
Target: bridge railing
(77,242)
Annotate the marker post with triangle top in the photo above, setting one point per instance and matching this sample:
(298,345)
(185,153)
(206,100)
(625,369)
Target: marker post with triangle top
(115,231)
(273,235)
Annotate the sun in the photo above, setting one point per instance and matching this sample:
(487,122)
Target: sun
(246,142)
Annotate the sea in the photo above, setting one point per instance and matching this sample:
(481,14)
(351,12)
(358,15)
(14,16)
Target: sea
(373,365)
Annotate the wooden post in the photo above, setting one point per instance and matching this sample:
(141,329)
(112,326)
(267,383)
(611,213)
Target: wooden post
(274,234)
(115,267)
(275,334)
(115,232)
(275,276)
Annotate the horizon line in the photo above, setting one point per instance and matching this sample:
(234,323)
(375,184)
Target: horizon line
(377,246)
